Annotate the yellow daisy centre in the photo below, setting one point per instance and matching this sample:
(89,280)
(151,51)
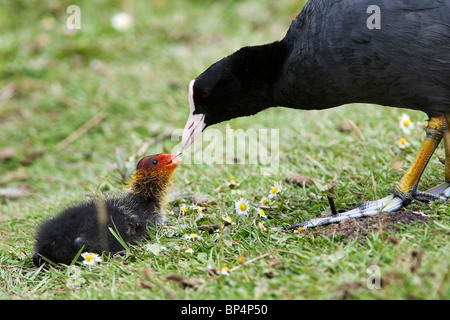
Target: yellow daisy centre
(89,257)
(243,207)
(403,140)
(406,122)
(232,181)
(262,213)
(274,190)
(265,201)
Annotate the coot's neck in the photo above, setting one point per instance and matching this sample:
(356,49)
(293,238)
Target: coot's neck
(258,69)
(273,75)
(280,76)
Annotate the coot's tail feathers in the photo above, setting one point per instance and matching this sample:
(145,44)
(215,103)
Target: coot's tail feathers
(407,188)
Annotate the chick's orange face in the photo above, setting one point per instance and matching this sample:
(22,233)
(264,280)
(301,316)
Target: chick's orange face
(160,161)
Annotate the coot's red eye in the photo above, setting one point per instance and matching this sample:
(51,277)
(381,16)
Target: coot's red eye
(205,94)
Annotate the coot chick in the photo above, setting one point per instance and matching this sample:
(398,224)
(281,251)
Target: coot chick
(393,53)
(131,215)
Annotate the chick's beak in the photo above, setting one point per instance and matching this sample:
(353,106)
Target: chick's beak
(174,155)
(173,164)
(195,123)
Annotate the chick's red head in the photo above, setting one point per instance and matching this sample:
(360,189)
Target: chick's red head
(159,162)
(153,174)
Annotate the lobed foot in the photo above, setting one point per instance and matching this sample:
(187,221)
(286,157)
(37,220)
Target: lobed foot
(391,203)
(439,192)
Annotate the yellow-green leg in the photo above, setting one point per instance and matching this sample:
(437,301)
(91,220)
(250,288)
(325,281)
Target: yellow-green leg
(447,151)
(435,131)
(407,188)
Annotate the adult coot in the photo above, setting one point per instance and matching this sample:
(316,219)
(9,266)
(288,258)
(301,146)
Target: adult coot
(387,52)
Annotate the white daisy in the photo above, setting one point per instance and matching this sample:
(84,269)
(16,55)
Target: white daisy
(200,209)
(232,183)
(122,21)
(242,206)
(189,250)
(91,258)
(228,220)
(405,123)
(261,226)
(278,186)
(225,271)
(192,236)
(262,214)
(403,143)
(183,209)
(264,201)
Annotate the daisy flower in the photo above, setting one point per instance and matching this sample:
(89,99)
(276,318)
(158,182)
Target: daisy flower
(261,226)
(183,209)
(265,201)
(232,183)
(299,229)
(262,214)
(225,271)
(122,21)
(228,220)
(278,186)
(192,236)
(189,250)
(405,123)
(242,206)
(91,258)
(403,143)
(200,209)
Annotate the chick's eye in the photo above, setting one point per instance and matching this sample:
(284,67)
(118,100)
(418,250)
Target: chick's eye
(154,162)
(206,93)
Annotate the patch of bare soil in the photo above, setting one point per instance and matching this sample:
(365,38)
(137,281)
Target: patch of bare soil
(362,227)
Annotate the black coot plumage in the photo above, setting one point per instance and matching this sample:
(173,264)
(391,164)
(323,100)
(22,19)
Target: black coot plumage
(86,225)
(332,55)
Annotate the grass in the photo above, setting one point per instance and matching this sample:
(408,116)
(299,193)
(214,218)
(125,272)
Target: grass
(134,85)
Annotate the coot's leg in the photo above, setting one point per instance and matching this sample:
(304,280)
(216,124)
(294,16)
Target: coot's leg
(407,187)
(441,191)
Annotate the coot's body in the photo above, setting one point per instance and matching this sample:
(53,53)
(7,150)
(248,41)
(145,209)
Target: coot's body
(334,57)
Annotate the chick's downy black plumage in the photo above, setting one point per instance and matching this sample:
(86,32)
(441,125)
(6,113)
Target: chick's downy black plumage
(131,215)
